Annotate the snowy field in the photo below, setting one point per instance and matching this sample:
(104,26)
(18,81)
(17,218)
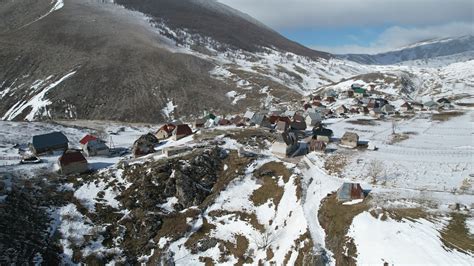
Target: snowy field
(437,156)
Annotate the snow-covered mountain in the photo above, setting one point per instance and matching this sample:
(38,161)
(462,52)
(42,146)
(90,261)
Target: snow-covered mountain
(149,61)
(425,50)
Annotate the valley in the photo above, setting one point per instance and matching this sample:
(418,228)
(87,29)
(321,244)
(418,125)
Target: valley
(158,132)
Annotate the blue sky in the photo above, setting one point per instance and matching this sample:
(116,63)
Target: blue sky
(334,36)
(361,26)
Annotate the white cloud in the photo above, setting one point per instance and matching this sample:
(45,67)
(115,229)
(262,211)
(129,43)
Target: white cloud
(287,14)
(396,37)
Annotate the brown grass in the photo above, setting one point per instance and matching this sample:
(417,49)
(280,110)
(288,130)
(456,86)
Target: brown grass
(336,219)
(445,116)
(175,225)
(335,164)
(411,214)
(251,218)
(202,233)
(207,261)
(235,167)
(269,174)
(456,235)
(399,137)
(466,104)
(270,254)
(363,122)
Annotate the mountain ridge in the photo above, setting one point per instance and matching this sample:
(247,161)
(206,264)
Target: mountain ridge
(418,51)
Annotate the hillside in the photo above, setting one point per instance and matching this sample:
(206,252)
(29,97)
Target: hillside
(64,60)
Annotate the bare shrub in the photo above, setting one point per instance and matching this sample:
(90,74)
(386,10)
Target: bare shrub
(375,170)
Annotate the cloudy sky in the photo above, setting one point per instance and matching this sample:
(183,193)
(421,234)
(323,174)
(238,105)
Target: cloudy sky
(361,26)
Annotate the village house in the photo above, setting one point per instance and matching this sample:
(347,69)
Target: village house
(298,125)
(315,145)
(380,102)
(144,145)
(445,103)
(322,134)
(330,99)
(349,140)
(354,110)
(341,110)
(199,123)
(330,93)
(285,145)
(248,116)
(313,118)
(359,93)
(165,131)
(376,113)
(260,120)
(72,162)
(431,105)
(210,123)
(350,191)
(417,106)
(282,126)
(406,107)
(363,110)
(181,131)
(388,109)
(224,122)
(96,147)
(86,139)
(372,104)
(55,141)
(238,121)
(350,93)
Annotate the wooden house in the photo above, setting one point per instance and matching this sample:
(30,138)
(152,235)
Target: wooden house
(165,131)
(96,147)
(55,141)
(72,162)
(285,145)
(322,134)
(315,145)
(181,131)
(349,140)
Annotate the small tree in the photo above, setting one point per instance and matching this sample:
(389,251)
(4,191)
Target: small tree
(466,185)
(375,169)
(265,239)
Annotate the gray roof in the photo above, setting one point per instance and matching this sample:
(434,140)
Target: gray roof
(315,116)
(257,119)
(49,140)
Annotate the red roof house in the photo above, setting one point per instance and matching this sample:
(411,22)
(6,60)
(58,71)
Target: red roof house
(86,139)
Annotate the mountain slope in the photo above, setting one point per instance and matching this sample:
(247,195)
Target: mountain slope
(418,51)
(96,60)
(219,22)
